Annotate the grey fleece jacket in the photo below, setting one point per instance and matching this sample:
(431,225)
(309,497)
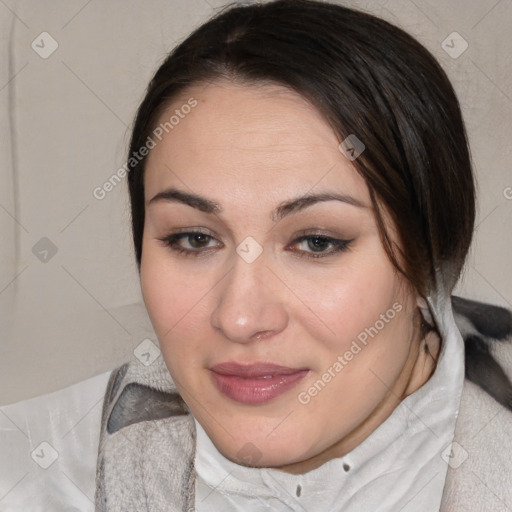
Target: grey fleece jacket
(147,440)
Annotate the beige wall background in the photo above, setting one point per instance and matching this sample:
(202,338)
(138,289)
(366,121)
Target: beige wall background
(70,302)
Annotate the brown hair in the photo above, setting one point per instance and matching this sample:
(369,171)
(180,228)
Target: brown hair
(368,78)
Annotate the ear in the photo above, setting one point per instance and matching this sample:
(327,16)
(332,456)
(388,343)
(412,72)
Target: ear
(425,310)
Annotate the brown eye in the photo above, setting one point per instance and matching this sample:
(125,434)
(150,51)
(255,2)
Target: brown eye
(198,240)
(190,243)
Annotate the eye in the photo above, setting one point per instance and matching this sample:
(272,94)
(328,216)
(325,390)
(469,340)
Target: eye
(191,243)
(197,243)
(319,246)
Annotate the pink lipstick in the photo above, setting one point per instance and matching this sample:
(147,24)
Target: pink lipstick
(255,383)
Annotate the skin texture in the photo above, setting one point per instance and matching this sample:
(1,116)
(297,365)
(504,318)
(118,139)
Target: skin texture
(250,148)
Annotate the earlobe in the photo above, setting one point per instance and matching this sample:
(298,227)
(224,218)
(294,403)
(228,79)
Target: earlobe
(433,346)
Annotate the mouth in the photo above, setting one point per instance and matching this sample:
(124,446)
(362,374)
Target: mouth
(256,383)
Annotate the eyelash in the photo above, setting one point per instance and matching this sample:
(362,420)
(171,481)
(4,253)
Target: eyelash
(172,242)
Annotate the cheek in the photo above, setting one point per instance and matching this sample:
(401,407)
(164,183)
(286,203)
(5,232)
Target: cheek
(176,318)
(355,376)
(350,301)
(371,312)
(173,300)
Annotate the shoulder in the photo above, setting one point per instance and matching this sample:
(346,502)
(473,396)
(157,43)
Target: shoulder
(479,475)
(51,444)
(487,333)
(147,427)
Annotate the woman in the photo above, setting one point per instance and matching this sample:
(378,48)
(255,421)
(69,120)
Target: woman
(302,205)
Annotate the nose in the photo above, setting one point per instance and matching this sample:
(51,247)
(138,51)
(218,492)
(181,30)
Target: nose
(248,305)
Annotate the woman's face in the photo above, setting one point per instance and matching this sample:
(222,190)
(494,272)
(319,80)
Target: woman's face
(274,258)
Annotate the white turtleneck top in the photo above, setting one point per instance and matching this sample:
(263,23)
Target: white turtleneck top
(400,467)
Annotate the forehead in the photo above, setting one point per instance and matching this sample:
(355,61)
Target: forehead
(252,139)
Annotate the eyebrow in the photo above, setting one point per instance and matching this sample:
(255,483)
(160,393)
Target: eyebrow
(203,204)
(173,195)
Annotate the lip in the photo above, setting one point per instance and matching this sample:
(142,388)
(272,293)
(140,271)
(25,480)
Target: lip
(255,383)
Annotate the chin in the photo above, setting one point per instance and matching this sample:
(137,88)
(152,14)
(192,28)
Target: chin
(250,455)
(259,451)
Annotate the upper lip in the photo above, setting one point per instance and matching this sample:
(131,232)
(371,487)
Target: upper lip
(253,369)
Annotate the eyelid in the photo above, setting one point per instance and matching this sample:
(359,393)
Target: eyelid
(327,233)
(199,230)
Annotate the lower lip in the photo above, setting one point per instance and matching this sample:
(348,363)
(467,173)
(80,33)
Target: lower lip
(256,391)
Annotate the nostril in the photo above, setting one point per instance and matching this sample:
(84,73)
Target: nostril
(263,334)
